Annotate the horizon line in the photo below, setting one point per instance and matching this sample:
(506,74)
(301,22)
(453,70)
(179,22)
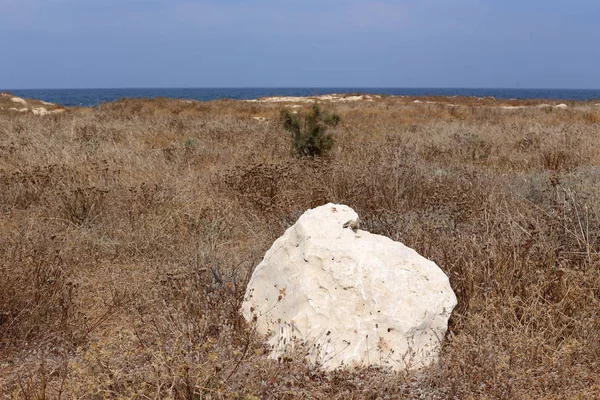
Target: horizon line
(302,87)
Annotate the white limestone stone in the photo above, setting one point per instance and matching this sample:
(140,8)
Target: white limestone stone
(39,111)
(346,297)
(18,100)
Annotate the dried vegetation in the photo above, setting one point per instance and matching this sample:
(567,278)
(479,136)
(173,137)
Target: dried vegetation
(129,231)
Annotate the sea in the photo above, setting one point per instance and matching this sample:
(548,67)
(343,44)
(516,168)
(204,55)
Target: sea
(93,97)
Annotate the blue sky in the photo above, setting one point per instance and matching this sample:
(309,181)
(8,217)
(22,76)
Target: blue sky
(316,43)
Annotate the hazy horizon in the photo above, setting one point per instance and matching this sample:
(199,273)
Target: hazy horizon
(305,87)
(113,44)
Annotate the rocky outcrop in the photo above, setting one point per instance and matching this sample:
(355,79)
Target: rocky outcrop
(344,297)
(10,103)
(18,100)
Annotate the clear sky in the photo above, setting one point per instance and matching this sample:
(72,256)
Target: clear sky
(315,43)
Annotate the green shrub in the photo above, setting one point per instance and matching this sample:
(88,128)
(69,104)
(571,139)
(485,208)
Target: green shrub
(309,131)
(189,143)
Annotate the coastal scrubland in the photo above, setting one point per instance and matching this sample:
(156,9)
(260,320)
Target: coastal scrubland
(128,233)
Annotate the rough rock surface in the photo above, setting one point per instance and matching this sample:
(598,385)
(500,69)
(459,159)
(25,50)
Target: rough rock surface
(345,297)
(18,100)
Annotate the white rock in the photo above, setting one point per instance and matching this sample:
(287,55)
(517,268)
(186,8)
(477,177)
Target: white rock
(347,297)
(39,111)
(283,99)
(18,100)
(327,97)
(334,97)
(351,98)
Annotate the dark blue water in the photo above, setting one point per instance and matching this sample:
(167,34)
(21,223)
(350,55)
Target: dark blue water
(93,97)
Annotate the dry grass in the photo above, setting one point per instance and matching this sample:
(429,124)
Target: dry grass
(128,233)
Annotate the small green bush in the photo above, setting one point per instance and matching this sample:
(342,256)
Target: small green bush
(189,143)
(309,131)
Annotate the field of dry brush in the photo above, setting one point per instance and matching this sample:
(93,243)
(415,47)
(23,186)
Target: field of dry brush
(128,233)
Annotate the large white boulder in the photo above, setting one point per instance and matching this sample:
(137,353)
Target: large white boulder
(345,297)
